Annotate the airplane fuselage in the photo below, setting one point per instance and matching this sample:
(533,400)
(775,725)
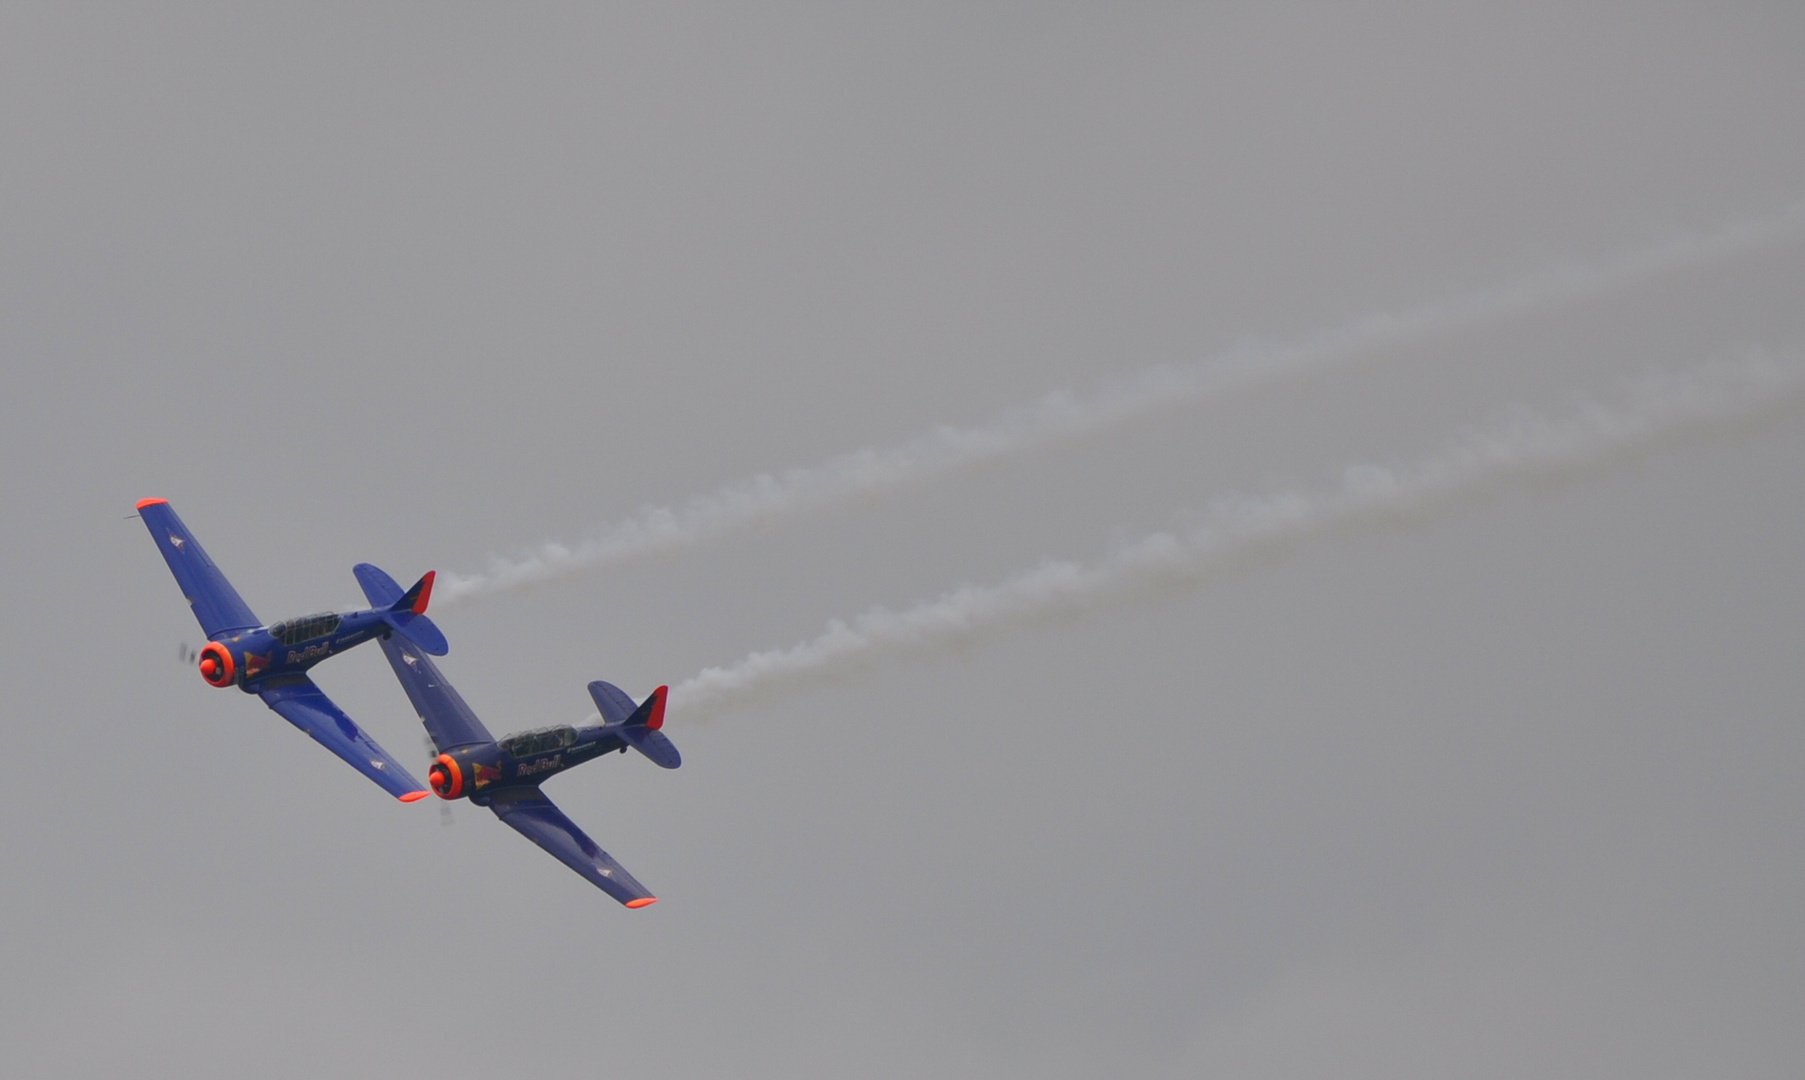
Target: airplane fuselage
(524,760)
(247,658)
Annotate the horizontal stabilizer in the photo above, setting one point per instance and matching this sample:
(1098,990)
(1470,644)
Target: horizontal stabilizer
(637,725)
(612,702)
(381,589)
(653,744)
(421,631)
(405,609)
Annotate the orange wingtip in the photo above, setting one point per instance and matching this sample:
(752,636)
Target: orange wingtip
(411,796)
(142,503)
(642,901)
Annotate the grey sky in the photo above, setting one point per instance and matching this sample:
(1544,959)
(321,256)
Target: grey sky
(1510,790)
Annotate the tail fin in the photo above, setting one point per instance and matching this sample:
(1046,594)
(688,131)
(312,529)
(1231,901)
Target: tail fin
(650,714)
(638,725)
(405,611)
(415,599)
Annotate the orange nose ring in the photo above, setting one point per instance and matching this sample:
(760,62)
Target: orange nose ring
(447,777)
(216,664)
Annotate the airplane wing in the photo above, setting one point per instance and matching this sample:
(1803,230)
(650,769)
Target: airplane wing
(306,706)
(536,818)
(448,720)
(216,604)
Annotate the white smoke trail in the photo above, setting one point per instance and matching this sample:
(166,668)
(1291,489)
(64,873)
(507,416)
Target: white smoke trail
(1235,532)
(1064,415)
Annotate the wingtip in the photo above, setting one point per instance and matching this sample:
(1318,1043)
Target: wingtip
(411,796)
(642,901)
(142,503)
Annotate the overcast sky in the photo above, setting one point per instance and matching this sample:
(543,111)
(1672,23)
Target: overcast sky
(1510,787)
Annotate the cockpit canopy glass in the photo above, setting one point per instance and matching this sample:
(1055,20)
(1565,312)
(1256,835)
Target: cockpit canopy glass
(295,631)
(540,741)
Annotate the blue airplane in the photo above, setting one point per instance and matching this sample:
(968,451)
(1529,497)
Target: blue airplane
(272,661)
(505,775)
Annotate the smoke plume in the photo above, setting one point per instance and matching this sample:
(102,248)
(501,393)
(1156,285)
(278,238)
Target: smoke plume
(1237,531)
(1065,415)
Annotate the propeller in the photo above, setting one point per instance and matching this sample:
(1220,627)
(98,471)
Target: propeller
(432,752)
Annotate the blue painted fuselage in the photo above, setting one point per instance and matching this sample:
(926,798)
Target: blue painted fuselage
(478,772)
(253,658)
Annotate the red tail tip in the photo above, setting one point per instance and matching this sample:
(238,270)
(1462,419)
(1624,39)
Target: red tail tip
(142,503)
(411,796)
(425,592)
(656,720)
(642,901)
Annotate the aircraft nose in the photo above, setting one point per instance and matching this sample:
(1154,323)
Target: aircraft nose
(208,667)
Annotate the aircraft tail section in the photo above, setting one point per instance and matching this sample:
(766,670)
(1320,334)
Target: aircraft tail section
(650,714)
(405,611)
(637,724)
(415,599)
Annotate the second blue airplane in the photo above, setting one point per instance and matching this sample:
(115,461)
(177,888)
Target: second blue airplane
(504,774)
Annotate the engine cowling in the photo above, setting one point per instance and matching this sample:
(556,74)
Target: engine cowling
(217,665)
(446,777)
(468,772)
